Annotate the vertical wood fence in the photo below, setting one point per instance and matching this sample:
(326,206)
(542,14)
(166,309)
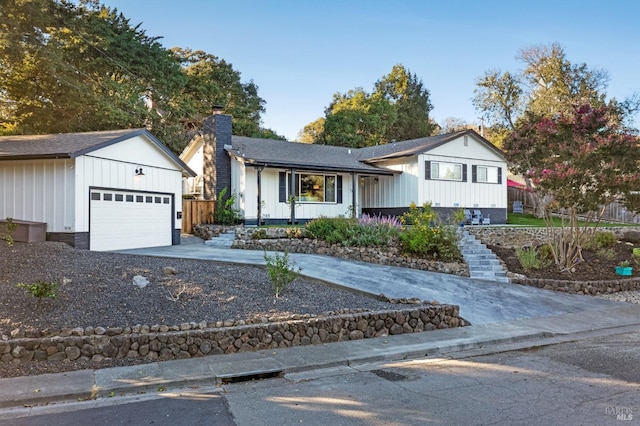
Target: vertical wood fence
(195,212)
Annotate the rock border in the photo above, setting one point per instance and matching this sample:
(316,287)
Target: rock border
(162,343)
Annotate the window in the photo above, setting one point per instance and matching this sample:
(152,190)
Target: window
(446,171)
(95,196)
(119,197)
(315,188)
(107,197)
(129,198)
(486,174)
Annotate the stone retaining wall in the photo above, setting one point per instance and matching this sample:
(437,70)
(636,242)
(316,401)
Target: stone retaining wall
(192,339)
(581,287)
(281,239)
(518,237)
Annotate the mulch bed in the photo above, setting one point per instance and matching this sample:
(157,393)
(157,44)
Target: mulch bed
(595,267)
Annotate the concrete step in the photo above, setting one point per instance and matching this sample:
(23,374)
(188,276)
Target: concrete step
(222,240)
(483,263)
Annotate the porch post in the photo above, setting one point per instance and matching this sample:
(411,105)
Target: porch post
(292,197)
(354,188)
(259,169)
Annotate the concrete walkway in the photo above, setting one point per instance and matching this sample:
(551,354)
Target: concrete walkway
(504,317)
(480,301)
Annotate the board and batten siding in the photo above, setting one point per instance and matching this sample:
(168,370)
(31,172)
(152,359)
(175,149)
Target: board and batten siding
(100,172)
(469,151)
(465,194)
(399,190)
(39,191)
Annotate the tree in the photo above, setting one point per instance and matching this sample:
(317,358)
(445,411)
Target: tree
(454,124)
(70,68)
(580,161)
(398,109)
(358,119)
(549,85)
(405,91)
(213,81)
(313,132)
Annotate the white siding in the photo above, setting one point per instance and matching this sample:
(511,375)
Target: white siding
(139,151)
(272,208)
(104,173)
(466,147)
(39,191)
(399,190)
(442,193)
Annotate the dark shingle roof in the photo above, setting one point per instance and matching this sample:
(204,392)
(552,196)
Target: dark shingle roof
(62,145)
(277,153)
(72,145)
(414,146)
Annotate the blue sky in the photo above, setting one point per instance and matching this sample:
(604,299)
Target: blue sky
(301,52)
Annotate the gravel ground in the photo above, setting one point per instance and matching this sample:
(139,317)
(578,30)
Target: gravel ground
(98,290)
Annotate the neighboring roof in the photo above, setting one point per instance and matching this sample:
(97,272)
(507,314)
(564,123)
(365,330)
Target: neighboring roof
(277,153)
(514,184)
(72,145)
(417,146)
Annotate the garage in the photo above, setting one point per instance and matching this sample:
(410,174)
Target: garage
(123,219)
(106,190)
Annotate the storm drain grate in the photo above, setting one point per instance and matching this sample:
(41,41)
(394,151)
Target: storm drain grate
(252,377)
(389,375)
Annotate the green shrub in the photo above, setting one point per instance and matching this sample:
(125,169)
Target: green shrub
(545,252)
(281,270)
(606,253)
(260,234)
(41,289)
(424,235)
(226,213)
(529,258)
(6,231)
(331,230)
(603,239)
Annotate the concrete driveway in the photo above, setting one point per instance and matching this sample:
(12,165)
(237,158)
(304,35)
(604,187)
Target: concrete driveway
(481,302)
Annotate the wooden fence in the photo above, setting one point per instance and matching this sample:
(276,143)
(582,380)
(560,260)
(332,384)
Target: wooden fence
(614,212)
(195,212)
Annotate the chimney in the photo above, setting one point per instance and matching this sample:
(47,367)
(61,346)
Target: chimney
(216,132)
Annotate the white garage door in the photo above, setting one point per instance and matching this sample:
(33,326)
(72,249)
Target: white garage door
(125,219)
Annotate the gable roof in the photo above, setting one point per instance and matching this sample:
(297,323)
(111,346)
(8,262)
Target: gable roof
(417,146)
(72,145)
(277,153)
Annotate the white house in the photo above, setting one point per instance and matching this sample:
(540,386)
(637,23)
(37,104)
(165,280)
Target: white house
(459,170)
(105,190)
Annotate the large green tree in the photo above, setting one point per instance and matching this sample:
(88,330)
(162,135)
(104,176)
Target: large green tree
(358,119)
(579,161)
(213,81)
(412,103)
(68,67)
(548,85)
(397,109)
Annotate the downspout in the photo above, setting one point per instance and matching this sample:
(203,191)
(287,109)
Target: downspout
(259,169)
(354,198)
(292,197)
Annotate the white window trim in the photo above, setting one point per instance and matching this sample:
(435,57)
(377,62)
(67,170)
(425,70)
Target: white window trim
(456,165)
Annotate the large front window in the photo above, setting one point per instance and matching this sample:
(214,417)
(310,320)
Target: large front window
(446,171)
(315,188)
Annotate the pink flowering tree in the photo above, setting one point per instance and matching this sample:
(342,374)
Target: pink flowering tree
(578,163)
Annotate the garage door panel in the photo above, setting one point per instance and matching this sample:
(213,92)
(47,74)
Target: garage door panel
(122,220)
